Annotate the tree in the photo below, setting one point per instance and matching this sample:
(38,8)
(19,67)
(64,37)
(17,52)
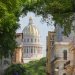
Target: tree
(61,10)
(36,67)
(9,17)
(32,68)
(15,69)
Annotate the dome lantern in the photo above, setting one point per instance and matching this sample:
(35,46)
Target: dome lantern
(30,21)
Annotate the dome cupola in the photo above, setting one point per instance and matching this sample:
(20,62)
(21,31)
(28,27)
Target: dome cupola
(31,29)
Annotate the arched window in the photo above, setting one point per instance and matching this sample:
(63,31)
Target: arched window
(65,54)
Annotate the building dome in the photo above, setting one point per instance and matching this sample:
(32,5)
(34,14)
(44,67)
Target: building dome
(32,49)
(31,30)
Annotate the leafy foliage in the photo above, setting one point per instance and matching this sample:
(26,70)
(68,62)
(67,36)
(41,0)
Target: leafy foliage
(9,17)
(36,67)
(32,68)
(10,10)
(61,10)
(15,69)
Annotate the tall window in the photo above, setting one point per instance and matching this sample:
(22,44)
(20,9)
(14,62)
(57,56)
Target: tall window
(35,40)
(24,40)
(65,54)
(34,50)
(31,40)
(27,50)
(31,50)
(27,40)
(64,74)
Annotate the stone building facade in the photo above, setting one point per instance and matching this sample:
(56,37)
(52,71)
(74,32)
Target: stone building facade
(29,47)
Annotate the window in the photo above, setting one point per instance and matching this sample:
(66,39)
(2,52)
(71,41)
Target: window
(31,50)
(27,50)
(31,40)
(64,74)
(35,40)
(34,50)
(65,54)
(24,40)
(24,51)
(27,40)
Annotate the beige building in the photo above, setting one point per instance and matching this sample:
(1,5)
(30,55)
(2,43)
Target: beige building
(28,44)
(70,65)
(17,55)
(60,55)
(16,58)
(50,53)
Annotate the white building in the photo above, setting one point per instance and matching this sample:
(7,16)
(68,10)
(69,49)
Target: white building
(32,49)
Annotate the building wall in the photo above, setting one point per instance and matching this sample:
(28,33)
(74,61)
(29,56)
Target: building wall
(59,49)
(50,52)
(32,50)
(61,43)
(70,68)
(17,55)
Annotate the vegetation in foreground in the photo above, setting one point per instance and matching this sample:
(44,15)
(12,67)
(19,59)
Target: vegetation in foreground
(32,68)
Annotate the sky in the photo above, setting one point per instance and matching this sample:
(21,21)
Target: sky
(41,26)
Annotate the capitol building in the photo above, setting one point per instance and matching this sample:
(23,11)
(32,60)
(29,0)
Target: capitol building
(29,47)
(32,49)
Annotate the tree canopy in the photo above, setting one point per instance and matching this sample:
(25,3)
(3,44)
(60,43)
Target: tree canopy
(32,68)
(61,10)
(15,69)
(9,17)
